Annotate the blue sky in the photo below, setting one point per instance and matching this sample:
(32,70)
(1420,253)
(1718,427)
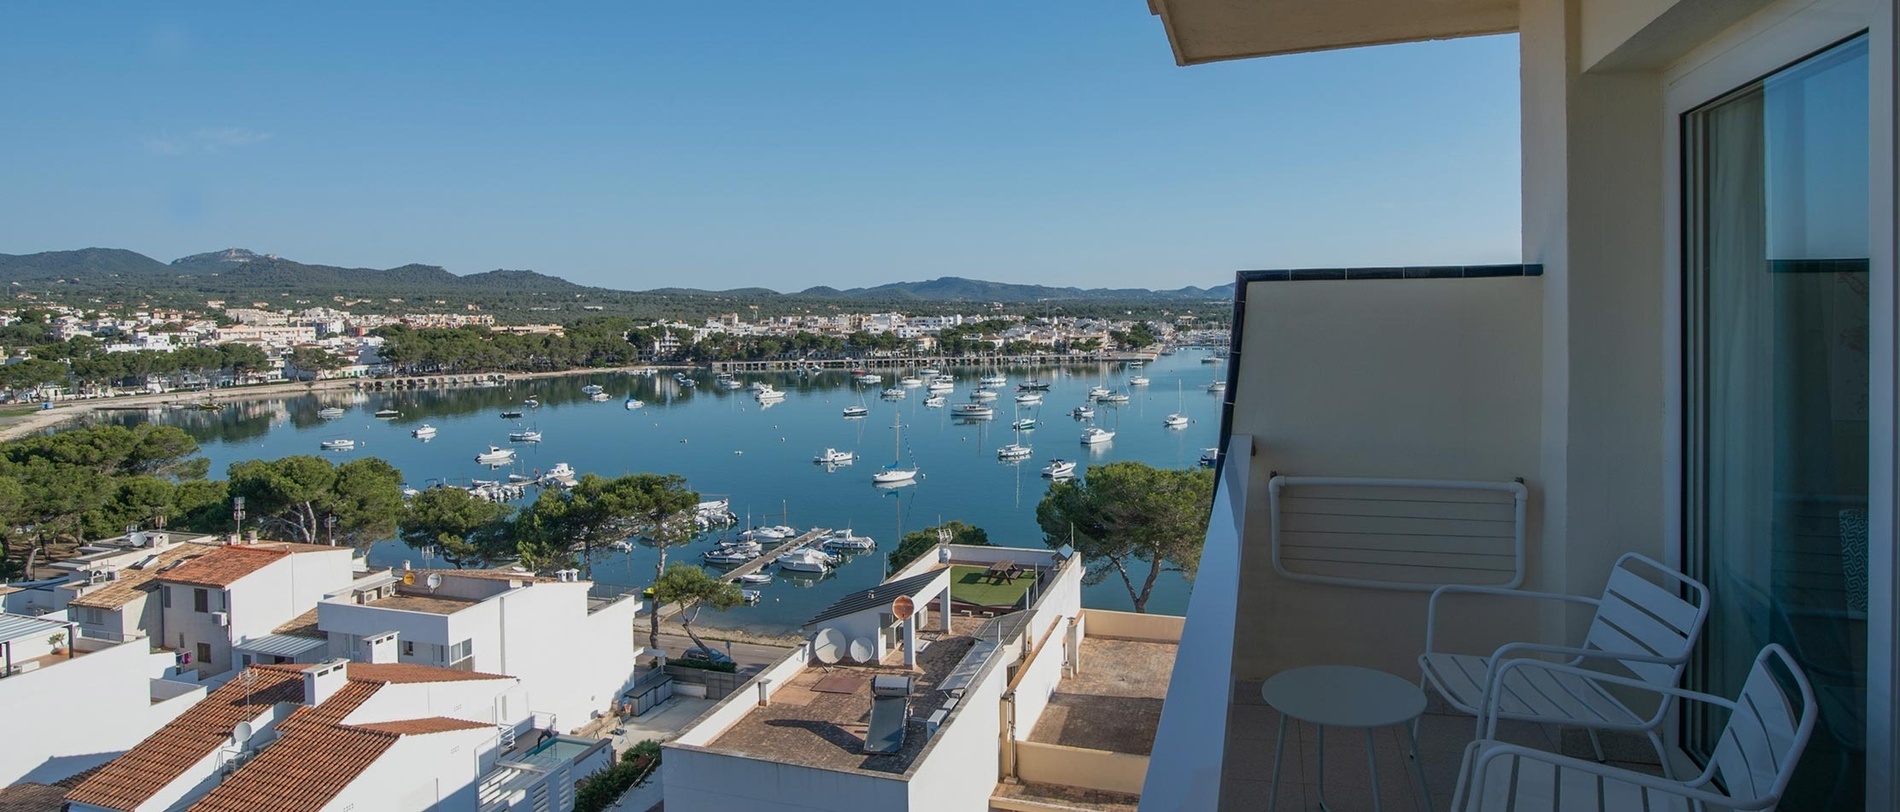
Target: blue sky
(637,145)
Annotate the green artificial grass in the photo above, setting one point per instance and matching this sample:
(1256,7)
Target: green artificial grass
(971,585)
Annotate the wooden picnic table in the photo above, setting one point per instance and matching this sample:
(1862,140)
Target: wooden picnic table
(1003,572)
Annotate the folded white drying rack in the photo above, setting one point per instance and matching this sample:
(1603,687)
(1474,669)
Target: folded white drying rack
(1411,535)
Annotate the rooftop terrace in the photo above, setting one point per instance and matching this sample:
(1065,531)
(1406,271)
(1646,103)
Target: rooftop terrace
(811,725)
(1114,701)
(431,604)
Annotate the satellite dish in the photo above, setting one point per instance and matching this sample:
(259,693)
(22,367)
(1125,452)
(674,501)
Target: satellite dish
(903,607)
(241,734)
(435,581)
(828,646)
(862,650)
(409,579)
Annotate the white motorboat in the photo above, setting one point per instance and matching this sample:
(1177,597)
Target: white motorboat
(1139,380)
(1093,435)
(768,393)
(805,560)
(495,455)
(844,540)
(329,412)
(758,386)
(856,411)
(726,555)
(751,596)
(894,393)
(1209,456)
(561,470)
(972,410)
(934,401)
(593,389)
(597,397)
(1024,424)
(928,373)
(1028,398)
(909,382)
(338,445)
(1014,451)
(685,382)
(1113,397)
(941,386)
(532,403)
(755,578)
(1217,386)
(423,432)
(525,436)
(994,380)
(387,414)
(983,394)
(869,378)
(1084,412)
(896,472)
(635,403)
(1098,391)
(1211,359)
(728,383)
(1058,469)
(833,456)
(773,533)
(1176,421)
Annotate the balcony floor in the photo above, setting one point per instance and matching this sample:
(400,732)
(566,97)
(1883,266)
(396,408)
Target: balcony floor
(1252,727)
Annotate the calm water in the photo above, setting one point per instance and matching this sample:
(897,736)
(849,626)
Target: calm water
(726,445)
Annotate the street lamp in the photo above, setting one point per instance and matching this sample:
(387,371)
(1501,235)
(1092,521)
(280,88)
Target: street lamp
(329,523)
(237,513)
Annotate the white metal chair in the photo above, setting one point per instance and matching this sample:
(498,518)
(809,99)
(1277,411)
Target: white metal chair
(1646,629)
(1748,770)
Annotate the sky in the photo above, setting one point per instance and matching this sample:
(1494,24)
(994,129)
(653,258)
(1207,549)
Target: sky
(719,145)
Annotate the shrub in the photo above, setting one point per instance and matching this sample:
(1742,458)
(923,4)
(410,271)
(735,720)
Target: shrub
(709,665)
(598,791)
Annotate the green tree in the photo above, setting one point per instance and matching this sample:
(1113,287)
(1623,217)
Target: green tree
(692,589)
(1123,514)
(922,541)
(298,495)
(316,359)
(468,528)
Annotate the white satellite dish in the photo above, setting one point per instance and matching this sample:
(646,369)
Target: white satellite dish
(862,650)
(241,735)
(828,646)
(435,581)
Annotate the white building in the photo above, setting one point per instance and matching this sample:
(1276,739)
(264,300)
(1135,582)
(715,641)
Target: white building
(982,688)
(1696,361)
(210,603)
(347,736)
(76,702)
(574,654)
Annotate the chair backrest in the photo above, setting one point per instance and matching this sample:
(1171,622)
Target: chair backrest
(1766,732)
(1638,616)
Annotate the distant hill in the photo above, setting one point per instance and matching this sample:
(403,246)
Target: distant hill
(238,271)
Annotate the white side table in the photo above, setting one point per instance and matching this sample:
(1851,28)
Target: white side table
(1344,696)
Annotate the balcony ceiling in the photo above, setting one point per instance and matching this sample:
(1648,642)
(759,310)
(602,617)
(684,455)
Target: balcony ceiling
(1215,30)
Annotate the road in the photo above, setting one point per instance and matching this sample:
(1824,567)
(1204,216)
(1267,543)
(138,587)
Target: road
(745,654)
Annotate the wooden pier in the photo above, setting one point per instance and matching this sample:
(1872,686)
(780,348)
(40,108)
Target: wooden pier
(811,536)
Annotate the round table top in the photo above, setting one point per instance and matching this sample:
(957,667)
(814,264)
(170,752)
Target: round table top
(1343,696)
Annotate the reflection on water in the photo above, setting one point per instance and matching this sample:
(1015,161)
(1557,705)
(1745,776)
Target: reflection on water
(728,445)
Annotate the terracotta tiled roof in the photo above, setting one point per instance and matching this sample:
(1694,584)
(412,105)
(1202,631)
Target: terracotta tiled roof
(303,770)
(132,778)
(132,583)
(402,673)
(422,727)
(29,797)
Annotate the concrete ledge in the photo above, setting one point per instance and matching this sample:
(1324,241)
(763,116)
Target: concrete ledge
(1080,767)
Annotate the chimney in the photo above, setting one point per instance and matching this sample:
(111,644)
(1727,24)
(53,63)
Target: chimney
(323,679)
(765,692)
(252,536)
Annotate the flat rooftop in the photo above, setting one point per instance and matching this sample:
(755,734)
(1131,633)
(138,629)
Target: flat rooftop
(813,728)
(432,604)
(1114,701)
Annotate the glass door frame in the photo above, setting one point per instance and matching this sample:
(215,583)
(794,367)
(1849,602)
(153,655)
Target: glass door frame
(1778,36)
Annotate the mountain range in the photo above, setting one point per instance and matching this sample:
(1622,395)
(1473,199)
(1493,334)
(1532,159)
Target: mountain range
(237,270)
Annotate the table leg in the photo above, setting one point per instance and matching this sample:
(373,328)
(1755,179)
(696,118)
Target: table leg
(1418,770)
(1279,755)
(1322,769)
(1372,766)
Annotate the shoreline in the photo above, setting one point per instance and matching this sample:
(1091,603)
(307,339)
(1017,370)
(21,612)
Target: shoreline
(14,428)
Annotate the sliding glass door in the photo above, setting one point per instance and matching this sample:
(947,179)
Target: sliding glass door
(1776,395)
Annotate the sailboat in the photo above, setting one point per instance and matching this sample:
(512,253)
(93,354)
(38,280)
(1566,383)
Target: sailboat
(1178,420)
(895,472)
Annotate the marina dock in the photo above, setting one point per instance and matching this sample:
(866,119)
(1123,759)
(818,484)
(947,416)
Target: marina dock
(809,537)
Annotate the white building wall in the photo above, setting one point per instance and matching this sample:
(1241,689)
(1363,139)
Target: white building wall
(82,712)
(959,769)
(701,781)
(438,770)
(289,587)
(184,627)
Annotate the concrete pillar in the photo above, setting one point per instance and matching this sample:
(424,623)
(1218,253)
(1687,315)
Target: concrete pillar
(943,611)
(910,642)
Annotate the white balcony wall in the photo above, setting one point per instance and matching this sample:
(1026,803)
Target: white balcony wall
(433,771)
(76,714)
(1402,378)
